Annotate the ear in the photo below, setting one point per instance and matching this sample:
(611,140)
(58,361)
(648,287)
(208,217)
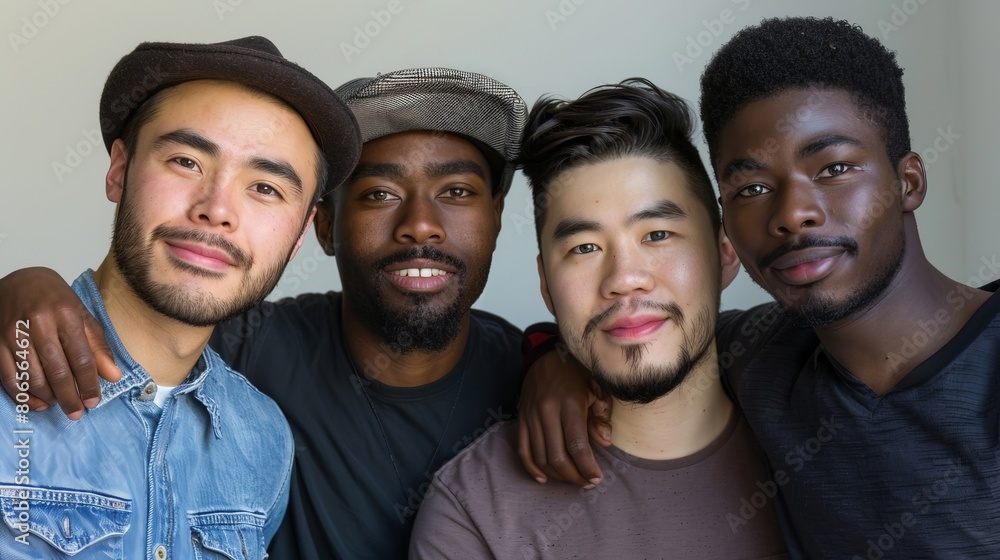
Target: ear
(730,260)
(324,226)
(912,181)
(544,285)
(302,236)
(498,200)
(114,181)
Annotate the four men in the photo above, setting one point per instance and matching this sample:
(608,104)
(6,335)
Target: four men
(806,143)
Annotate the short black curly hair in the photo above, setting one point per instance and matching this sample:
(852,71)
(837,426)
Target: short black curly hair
(632,118)
(799,53)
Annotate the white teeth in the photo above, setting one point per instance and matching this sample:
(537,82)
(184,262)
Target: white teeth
(421,272)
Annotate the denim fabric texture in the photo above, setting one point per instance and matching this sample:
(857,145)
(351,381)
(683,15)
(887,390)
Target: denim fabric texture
(206,476)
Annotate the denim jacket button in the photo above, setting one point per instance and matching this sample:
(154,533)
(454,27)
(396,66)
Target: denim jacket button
(161,553)
(148,392)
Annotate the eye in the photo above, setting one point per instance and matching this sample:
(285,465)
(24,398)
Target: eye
(459,192)
(186,163)
(834,170)
(656,236)
(755,189)
(266,190)
(380,196)
(584,249)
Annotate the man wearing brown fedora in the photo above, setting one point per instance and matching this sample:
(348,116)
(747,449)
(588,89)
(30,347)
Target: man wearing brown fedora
(216,167)
(384,382)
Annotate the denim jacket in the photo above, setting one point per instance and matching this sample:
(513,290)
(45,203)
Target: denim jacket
(205,477)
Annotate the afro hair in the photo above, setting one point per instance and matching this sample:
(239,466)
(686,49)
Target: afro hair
(782,54)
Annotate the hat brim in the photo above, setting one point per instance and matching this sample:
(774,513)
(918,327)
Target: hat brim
(152,67)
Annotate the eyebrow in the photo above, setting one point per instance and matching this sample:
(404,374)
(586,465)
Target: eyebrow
(750,164)
(825,142)
(741,165)
(190,138)
(279,168)
(390,170)
(187,137)
(460,167)
(662,210)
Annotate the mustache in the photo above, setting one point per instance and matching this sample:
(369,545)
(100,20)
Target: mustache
(423,252)
(212,239)
(671,308)
(805,242)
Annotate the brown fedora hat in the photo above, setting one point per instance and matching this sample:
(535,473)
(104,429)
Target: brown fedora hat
(253,61)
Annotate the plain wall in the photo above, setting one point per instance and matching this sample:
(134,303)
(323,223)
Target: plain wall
(57,54)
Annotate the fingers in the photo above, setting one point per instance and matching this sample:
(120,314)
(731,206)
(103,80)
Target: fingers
(90,357)
(599,423)
(555,458)
(600,431)
(525,452)
(581,454)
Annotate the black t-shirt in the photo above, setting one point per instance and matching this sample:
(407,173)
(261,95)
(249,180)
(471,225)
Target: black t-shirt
(346,500)
(912,473)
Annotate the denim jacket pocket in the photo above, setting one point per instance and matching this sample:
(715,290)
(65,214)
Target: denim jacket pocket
(229,535)
(70,521)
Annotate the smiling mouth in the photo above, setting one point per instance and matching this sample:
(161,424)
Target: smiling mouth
(419,272)
(807,267)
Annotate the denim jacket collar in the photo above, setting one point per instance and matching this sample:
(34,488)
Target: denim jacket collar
(133,374)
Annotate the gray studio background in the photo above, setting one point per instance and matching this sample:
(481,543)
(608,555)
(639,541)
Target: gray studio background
(57,53)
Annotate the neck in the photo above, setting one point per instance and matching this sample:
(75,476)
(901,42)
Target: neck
(374,356)
(165,347)
(678,424)
(920,311)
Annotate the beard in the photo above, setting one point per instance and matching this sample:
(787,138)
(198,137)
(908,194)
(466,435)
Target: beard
(183,302)
(820,309)
(644,383)
(417,325)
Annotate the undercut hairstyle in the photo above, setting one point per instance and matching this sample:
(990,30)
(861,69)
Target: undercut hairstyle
(151,107)
(631,119)
(783,54)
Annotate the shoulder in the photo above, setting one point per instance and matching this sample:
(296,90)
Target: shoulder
(243,405)
(496,330)
(489,462)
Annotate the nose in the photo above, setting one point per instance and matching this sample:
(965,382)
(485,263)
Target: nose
(627,273)
(419,223)
(216,205)
(797,207)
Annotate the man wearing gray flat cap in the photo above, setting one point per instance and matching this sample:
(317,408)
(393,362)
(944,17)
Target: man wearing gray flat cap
(387,380)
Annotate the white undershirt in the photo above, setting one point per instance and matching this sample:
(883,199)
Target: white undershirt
(162,392)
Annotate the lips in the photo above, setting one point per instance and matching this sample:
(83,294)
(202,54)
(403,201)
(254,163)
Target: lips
(806,266)
(201,255)
(420,275)
(634,326)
